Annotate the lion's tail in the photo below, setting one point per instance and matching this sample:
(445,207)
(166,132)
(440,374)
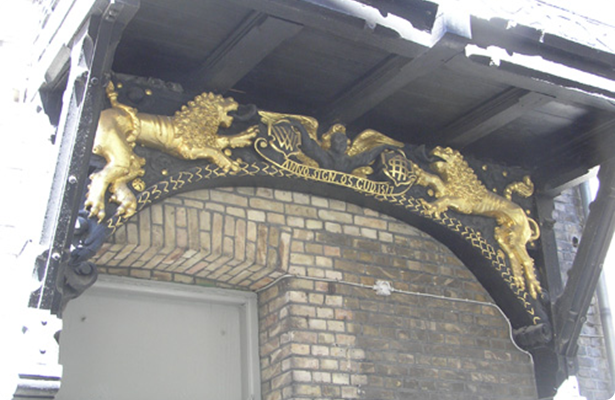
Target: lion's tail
(132,134)
(524,188)
(112,95)
(535,230)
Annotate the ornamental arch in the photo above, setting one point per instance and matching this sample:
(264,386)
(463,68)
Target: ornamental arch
(466,204)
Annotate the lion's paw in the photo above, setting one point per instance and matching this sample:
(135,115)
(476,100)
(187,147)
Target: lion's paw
(228,165)
(96,208)
(427,207)
(533,286)
(245,139)
(126,200)
(534,289)
(520,282)
(234,167)
(432,209)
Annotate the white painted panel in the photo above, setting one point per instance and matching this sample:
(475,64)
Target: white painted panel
(121,344)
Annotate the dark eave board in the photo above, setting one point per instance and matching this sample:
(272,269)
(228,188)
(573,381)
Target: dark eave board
(531,135)
(419,111)
(310,68)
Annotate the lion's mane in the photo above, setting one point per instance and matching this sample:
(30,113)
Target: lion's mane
(198,121)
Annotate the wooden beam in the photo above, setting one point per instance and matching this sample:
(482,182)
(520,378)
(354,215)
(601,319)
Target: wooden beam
(602,128)
(393,74)
(256,37)
(572,306)
(559,181)
(545,206)
(552,46)
(490,116)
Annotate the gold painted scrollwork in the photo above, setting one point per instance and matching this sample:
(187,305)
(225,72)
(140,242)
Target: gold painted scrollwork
(367,141)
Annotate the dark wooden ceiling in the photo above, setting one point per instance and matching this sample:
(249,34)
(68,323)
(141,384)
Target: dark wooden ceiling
(366,65)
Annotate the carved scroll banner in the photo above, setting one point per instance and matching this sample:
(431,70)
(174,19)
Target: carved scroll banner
(282,148)
(480,210)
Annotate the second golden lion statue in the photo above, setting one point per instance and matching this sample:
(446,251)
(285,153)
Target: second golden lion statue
(457,187)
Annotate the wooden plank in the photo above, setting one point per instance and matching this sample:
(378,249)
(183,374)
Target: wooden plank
(545,207)
(490,116)
(391,75)
(551,45)
(532,79)
(367,92)
(256,37)
(204,25)
(603,127)
(554,182)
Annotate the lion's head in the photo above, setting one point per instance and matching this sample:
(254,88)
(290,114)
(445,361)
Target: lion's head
(447,158)
(225,106)
(199,120)
(456,173)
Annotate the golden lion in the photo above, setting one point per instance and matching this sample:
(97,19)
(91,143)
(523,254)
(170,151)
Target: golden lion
(456,187)
(190,134)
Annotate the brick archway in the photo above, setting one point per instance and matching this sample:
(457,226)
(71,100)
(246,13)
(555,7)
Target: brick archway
(247,237)
(318,337)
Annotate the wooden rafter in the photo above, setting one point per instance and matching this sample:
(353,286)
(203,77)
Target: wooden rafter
(490,116)
(391,75)
(525,76)
(366,27)
(559,169)
(256,37)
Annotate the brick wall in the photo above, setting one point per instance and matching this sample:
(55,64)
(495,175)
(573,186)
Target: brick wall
(319,337)
(593,374)
(330,340)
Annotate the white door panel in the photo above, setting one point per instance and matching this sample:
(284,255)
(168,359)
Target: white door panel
(128,343)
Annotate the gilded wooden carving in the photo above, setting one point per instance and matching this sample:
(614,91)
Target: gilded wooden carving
(456,187)
(290,146)
(334,150)
(293,146)
(190,134)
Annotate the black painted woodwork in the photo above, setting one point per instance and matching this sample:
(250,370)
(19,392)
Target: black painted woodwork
(91,61)
(572,305)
